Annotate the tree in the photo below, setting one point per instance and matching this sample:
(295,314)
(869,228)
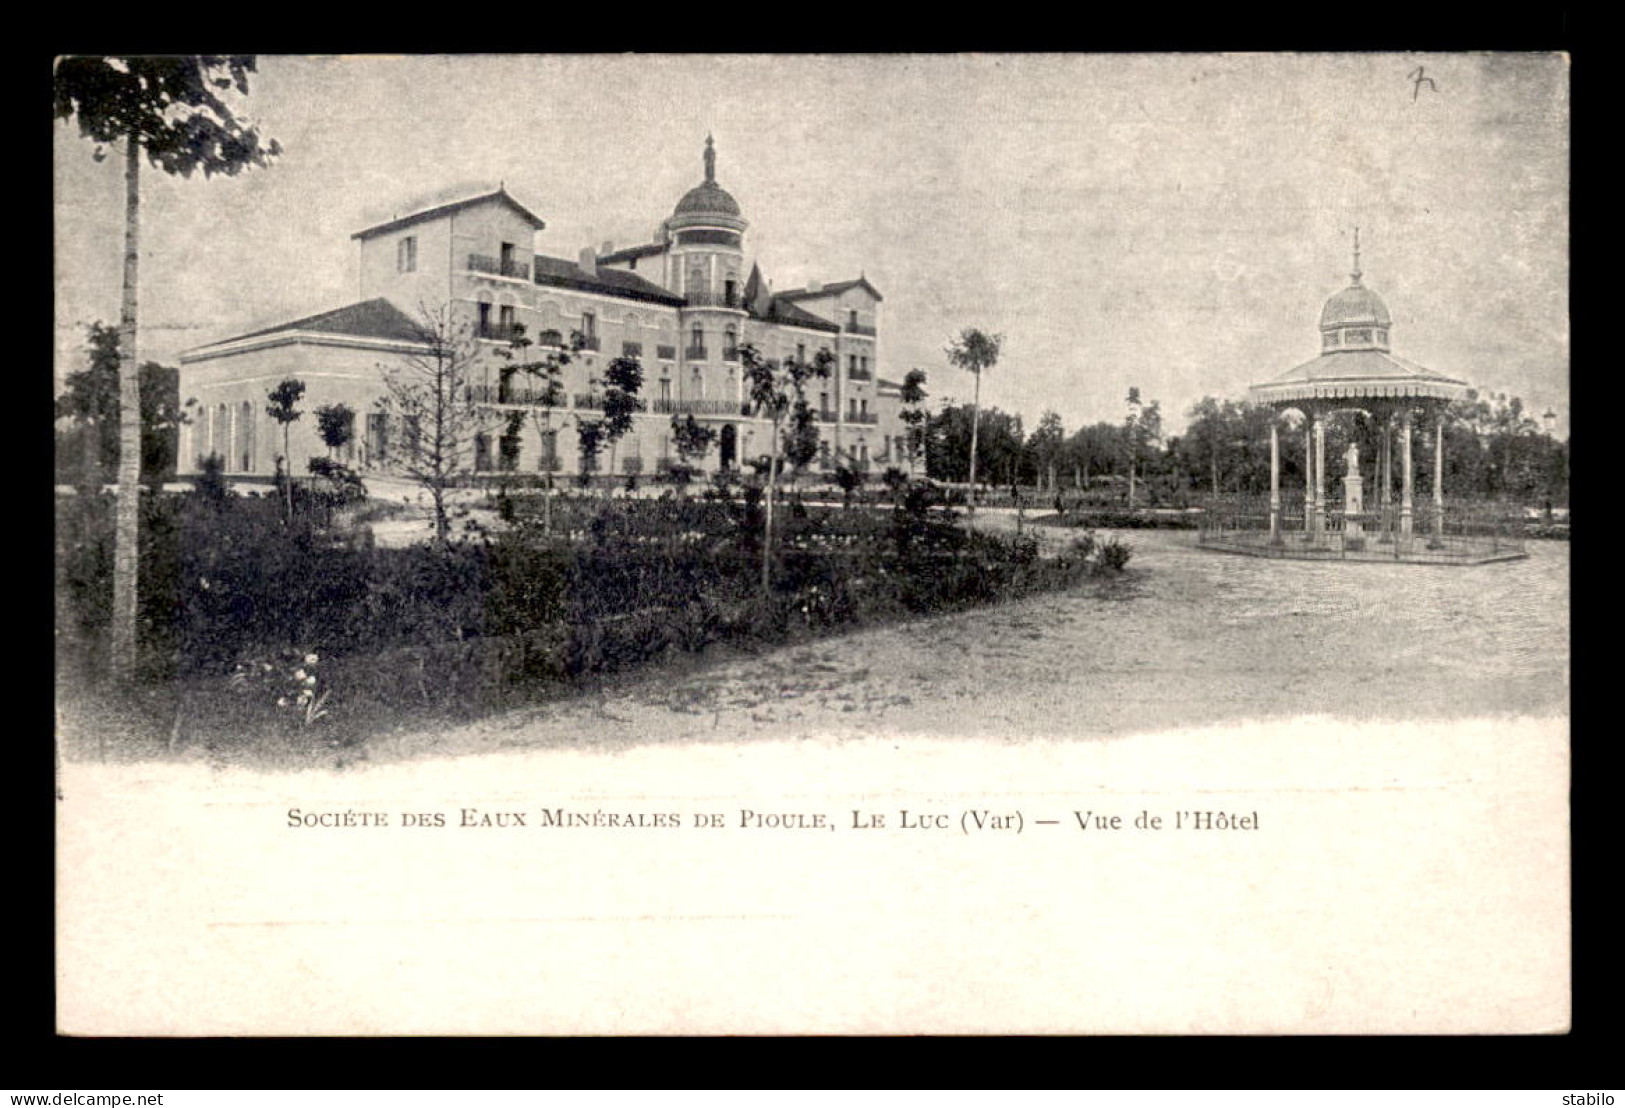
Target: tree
(282,408)
(169,108)
(543,392)
(777,388)
(914,417)
(623,380)
(975,351)
(692,440)
(336,424)
(91,401)
(1142,429)
(429,395)
(1045,444)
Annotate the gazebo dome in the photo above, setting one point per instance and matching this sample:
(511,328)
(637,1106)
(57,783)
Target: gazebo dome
(1355,306)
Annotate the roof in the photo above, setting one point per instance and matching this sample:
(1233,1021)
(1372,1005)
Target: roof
(562,273)
(1355,373)
(1355,305)
(373,319)
(832,290)
(780,310)
(632,253)
(707,198)
(439,210)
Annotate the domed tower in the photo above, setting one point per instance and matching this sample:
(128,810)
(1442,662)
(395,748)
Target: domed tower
(1355,318)
(706,233)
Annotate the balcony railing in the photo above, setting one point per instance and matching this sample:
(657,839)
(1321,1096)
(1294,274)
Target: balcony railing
(588,400)
(484,263)
(862,417)
(859,329)
(666,353)
(713,300)
(828,415)
(631,350)
(497,332)
(670,406)
(589,342)
(730,353)
(514,394)
(859,375)
(695,353)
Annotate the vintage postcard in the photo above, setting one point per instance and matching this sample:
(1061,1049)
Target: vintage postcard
(792,544)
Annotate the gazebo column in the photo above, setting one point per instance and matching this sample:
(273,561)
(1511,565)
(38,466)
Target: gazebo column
(1406,477)
(1308,474)
(1275,483)
(1438,477)
(1320,474)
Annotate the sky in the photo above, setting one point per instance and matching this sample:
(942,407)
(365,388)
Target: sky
(1167,222)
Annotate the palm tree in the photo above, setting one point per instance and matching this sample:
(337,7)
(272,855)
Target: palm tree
(976,351)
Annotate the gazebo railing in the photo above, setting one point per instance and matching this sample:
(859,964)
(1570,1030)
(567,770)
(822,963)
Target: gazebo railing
(1461,532)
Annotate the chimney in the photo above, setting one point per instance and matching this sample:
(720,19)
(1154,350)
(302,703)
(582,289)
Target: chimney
(607,248)
(588,262)
(814,286)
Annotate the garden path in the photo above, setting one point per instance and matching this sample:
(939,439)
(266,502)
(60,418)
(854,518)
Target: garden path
(1184,638)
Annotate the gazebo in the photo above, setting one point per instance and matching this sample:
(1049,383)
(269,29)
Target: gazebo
(1357,371)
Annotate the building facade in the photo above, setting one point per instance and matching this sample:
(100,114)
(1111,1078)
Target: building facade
(682,305)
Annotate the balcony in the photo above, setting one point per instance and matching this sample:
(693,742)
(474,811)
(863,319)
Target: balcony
(515,394)
(828,415)
(713,300)
(631,350)
(863,417)
(588,400)
(497,332)
(484,263)
(589,342)
(670,406)
(859,375)
(666,353)
(859,329)
(730,353)
(695,353)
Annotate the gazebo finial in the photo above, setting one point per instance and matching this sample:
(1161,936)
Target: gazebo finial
(710,161)
(1356,274)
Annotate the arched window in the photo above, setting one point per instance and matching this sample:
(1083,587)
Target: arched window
(222,435)
(730,343)
(245,437)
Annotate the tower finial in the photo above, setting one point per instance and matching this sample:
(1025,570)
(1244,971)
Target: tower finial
(1356,273)
(710,161)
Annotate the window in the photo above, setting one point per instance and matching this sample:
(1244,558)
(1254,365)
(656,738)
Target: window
(377,438)
(414,435)
(852,365)
(665,389)
(823,402)
(852,319)
(550,452)
(589,325)
(1332,339)
(801,351)
(484,330)
(505,321)
(863,407)
(507,259)
(728,292)
(245,437)
(482,452)
(851,407)
(863,364)
(406,254)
